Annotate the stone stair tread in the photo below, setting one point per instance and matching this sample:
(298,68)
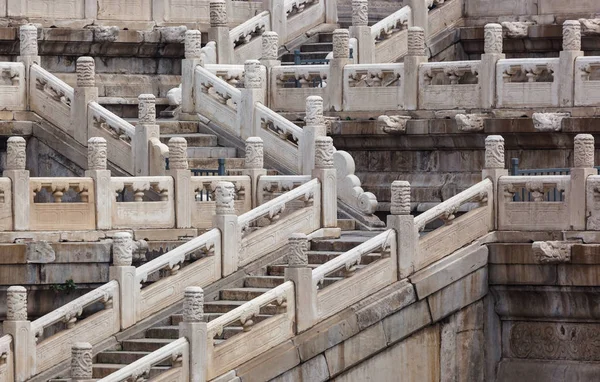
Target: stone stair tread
(249,289)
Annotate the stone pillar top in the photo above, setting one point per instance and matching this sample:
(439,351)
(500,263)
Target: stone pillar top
(16,303)
(254,158)
(178,159)
(225,197)
(16,156)
(324,152)
(416,41)
(97,153)
(252,74)
(86,72)
(341,43)
(494,152)
(314,111)
(218,13)
(122,249)
(193,44)
(400,198)
(493,39)
(298,246)
(147,109)
(584,151)
(81,361)
(193,304)
(270,46)
(571,32)
(360,13)
(28,36)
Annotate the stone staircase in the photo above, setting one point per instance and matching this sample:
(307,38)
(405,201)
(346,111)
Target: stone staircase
(316,47)
(226,300)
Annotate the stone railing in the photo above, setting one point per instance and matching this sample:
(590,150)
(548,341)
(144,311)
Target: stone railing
(246,38)
(219,100)
(442,15)
(390,36)
(51,98)
(7,362)
(300,16)
(13,85)
(271,186)
(373,87)
(204,188)
(290,85)
(232,74)
(528,82)
(587,81)
(448,85)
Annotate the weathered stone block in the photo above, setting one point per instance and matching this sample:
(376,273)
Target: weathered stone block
(515,370)
(407,321)
(270,364)
(383,303)
(515,274)
(315,370)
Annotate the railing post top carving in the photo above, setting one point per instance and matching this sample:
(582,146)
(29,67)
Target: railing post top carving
(81,361)
(193,44)
(193,304)
(16,156)
(571,32)
(252,74)
(400,198)
(86,72)
(270,45)
(584,151)
(360,12)
(16,303)
(122,249)
(178,159)
(28,36)
(97,153)
(298,246)
(225,197)
(416,41)
(324,152)
(254,158)
(341,43)
(147,108)
(492,39)
(494,152)
(218,13)
(314,111)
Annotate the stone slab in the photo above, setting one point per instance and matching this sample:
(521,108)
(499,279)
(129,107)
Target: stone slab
(383,303)
(164,234)
(407,321)
(510,253)
(315,370)
(98,252)
(522,274)
(270,364)
(578,274)
(13,254)
(514,370)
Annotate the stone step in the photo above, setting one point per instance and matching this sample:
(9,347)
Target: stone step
(319,55)
(145,344)
(227,305)
(171,126)
(263,281)
(347,241)
(317,47)
(346,224)
(163,332)
(102,370)
(321,257)
(326,37)
(193,140)
(241,294)
(177,318)
(212,163)
(211,152)
(278,270)
(124,357)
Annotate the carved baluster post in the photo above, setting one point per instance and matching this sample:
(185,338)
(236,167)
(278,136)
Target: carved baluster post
(403,222)
(300,274)
(193,327)
(192,46)
(182,176)
(326,173)
(97,159)
(361,30)
(566,64)
(254,165)
(145,130)
(81,361)
(415,57)
(226,221)
(583,166)
(335,81)
(420,13)
(489,59)
(84,93)
(219,31)
(124,273)
(16,158)
(315,127)
(28,37)
(19,327)
(495,167)
(253,92)
(269,59)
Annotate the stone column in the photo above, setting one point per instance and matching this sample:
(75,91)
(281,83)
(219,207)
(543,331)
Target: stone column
(226,221)
(583,166)
(566,64)
(253,92)
(219,31)
(182,177)
(420,12)
(335,81)
(403,222)
(97,160)
(315,127)
(489,59)
(124,273)
(300,274)
(361,30)
(16,158)
(494,167)
(326,173)
(145,130)
(192,46)
(19,327)
(193,327)
(415,57)
(84,93)
(269,58)
(254,165)
(28,36)
(81,361)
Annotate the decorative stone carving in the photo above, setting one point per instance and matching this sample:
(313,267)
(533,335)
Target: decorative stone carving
(225,196)
(393,124)
(360,13)
(28,36)
(218,13)
(16,153)
(314,111)
(584,151)
(86,72)
(590,27)
(270,46)
(493,39)
(81,361)
(551,252)
(416,41)
(208,54)
(349,186)
(97,153)
(178,159)
(40,252)
(122,249)
(192,44)
(516,29)
(252,74)
(16,303)
(173,35)
(571,35)
(400,198)
(548,121)
(298,246)
(341,43)
(470,122)
(147,108)
(254,153)
(494,151)
(174,96)
(324,152)
(105,33)
(193,304)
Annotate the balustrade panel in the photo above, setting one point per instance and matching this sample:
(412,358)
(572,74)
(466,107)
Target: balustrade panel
(204,188)
(13,88)
(527,82)
(50,97)
(587,81)
(373,87)
(449,85)
(290,85)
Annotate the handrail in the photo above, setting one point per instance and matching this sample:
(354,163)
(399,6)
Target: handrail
(388,24)
(258,22)
(56,83)
(221,87)
(296,132)
(113,120)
